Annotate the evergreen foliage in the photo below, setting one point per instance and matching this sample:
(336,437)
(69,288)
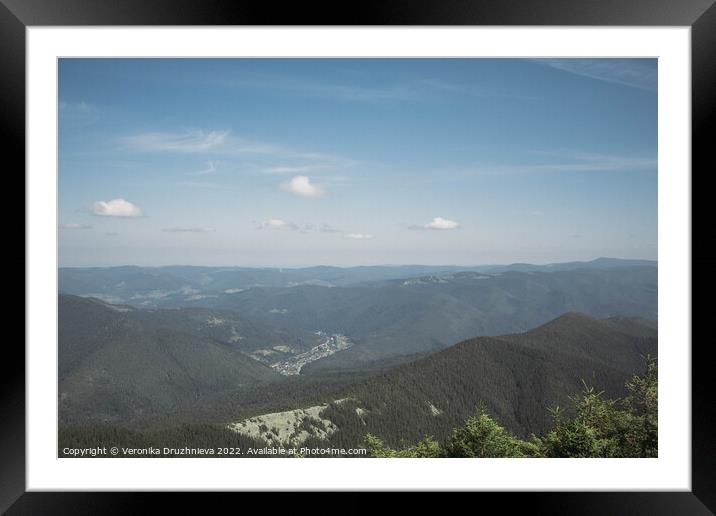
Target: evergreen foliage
(600,428)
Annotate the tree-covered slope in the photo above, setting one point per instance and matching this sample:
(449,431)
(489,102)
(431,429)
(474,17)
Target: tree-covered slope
(236,331)
(515,378)
(113,367)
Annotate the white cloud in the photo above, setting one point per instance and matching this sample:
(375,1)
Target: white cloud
(277,224)
(302,186)
(75,226)
(188,230)
(537,213)
(359,236)
(115,208)
(441,223)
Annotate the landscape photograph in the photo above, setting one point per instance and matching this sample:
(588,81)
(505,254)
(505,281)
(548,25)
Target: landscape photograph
(357,258)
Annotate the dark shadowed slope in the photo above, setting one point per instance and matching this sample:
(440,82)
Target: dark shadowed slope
(515,377)
(113,367)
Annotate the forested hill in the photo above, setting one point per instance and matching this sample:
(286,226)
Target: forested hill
(516,378)
(113,367)
(117,366)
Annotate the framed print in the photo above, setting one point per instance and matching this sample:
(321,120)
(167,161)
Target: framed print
(423,249)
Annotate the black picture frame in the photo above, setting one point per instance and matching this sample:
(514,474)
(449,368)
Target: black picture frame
(700,15)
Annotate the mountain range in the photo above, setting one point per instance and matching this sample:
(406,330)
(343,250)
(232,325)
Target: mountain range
(396,354)
(387,317)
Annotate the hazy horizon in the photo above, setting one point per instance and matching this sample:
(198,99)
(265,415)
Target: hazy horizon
(350,266)
(356,162)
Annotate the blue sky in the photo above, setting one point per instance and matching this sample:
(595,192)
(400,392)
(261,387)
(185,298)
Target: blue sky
(296,162)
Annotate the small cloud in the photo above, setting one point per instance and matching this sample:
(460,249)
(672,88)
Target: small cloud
(359,236)
(188,230)
(115,208)
(302,186)
(438,223)
(75,226)
(111,234)
(277,224)
(537,213)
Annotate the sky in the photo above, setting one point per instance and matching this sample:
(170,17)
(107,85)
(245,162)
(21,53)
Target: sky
(301,162)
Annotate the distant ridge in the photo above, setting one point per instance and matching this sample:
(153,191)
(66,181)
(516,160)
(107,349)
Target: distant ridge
(598,263)
(385,311)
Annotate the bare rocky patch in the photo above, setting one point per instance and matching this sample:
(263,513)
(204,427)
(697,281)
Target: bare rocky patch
(289,428)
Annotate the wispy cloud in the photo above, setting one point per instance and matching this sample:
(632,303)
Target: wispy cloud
(438,223)
(186,142)
(577,162)
(75,226)
(78,113)
(634,73)
(280,224)
(402,90)
(302,186)
(224,143)
(115,208)
(197,184)
(209,169)
(81,107)
(589,162)
(188,230)
(399,92)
